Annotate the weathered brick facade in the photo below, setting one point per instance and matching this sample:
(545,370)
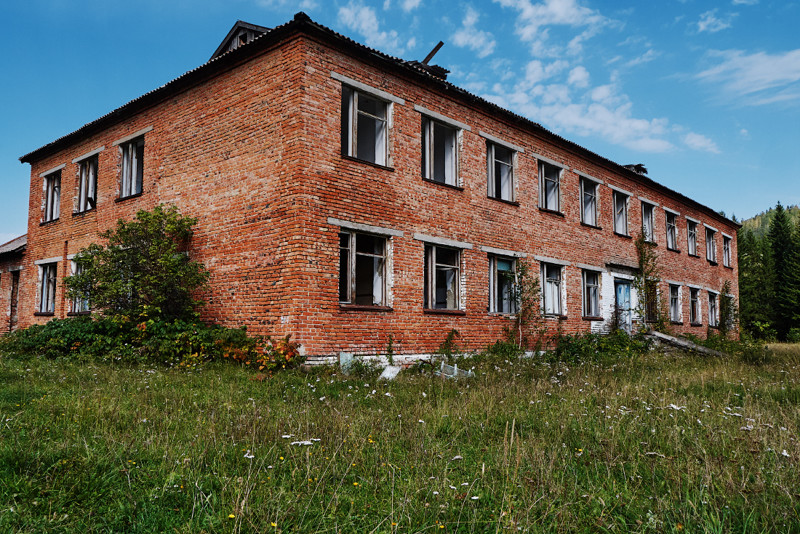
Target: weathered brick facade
(11,257)
(252,145)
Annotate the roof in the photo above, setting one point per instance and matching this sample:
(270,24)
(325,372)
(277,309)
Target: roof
(241,27)
(15,246)
(302,23)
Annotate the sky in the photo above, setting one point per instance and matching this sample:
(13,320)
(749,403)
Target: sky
(705,93)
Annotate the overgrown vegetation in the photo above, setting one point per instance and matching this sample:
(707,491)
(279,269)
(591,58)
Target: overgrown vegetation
(650,443)
(651,307)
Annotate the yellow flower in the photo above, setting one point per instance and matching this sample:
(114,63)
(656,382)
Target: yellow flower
(274,524)
(355,483)
(231,516)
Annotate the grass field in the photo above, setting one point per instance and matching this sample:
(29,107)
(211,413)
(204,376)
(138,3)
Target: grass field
(659,443)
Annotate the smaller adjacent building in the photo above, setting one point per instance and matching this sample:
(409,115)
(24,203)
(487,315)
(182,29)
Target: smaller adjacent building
(11,257)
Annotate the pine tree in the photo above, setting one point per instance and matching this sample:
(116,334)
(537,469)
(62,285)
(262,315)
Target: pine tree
(784,243)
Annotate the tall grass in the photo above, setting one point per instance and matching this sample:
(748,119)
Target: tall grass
(661,444)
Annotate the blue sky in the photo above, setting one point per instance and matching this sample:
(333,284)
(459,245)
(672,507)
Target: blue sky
(705,94)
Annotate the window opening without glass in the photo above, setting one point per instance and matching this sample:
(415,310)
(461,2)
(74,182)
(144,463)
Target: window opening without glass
(362,269)
(588,202)
(132,167)
(442,280)
(500,172)
(549,186)
(365,126)
(439,152)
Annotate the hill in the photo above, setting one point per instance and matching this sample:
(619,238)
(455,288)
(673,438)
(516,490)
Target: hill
(759,224)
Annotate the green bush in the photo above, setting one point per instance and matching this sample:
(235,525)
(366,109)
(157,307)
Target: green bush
(603,348)
(793,336)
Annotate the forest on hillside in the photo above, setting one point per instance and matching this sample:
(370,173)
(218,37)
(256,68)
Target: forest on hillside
(769,275)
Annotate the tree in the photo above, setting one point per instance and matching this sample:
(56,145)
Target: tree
(143,271)
(756,284)
(784,244)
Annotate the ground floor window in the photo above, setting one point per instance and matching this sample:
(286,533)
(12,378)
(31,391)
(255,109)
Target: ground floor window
(694,305)
(591,294)
(551,289)
(47,287)
(674,303)
(502,274)
(712,309)
(362,269)
(442,280)
(650,301)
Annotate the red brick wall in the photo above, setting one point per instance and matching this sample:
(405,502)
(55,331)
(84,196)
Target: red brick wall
(255,155)
(9,269)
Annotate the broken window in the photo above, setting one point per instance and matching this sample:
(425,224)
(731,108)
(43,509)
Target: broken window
(549,186)
(650,301)
(726,251)
(51,205)
(672,231)
(79,304)
(674,303)
(591,294)
(442,280)
(588,202)
(500,171)
(691,237)
(365,126)
(132,167)
(87,184)
(648,223)
(362,269)
(47,287)
(712,309)
(503,272)
(439,152)
(551,294)
(711,247)
(620,213)
(694,306)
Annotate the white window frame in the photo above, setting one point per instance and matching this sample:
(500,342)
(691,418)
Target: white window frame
(591,293)
(675,303)
(48,279)
(552,289)
(507,190)
(691,237)
(672,229)
(351,113)
(726,250)
(348,286)
(649,221)
(711,245)
(87,183)
(501,297)
(78,304)
(590,218)
(695,307)
(550,202)
(432,268)
(452,141)
(131,167)
(51,199)
(621,213)
(713,309)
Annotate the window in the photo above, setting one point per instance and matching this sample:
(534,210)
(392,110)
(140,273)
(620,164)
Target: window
(439,152)
(620,213)
(650,301)
(588,202)
(648,224)
(726,251)
(365,126)
(549,186)
(502,273)
(694,306)
(711,247)
(442,280)
(551,295)
(47,287)
(674,303)
(500,171)
(591,294)
(132,167)
(691,237)
(672,231)
(87,184)
(51,205)
(79,304)
(712,309)
(362,269)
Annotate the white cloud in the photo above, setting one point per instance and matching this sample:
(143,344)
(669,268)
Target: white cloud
(579,77)
(745,2)
(758,78)
(470,37)
(697,141)
(362,19)
(647,57)
(709,22)
(409,5)
(294,4)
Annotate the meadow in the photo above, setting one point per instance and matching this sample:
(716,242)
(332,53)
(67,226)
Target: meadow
(660,442)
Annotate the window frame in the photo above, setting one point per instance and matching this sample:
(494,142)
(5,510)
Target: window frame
(131,177)
(623,197)
(499,299)
(350,121)
(51,196)
(711,245)
(556,288)
(591,293)
(713,311)
(432,268)
(651,301)
(46,294)
(648,216)
(87,183)
(352,256)
(695,309)
(726,250)
(594,194)
(671,225)
(675,315)
(691,237)
(78,305)
(543,182)
(491,167)
(429,126)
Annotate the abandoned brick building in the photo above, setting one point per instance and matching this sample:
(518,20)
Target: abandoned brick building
(345,196)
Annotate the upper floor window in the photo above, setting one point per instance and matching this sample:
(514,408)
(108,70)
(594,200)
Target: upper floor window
(549,186)
(442,280)
(502,274)
(674,303)
(51,203)
(439,152)
(365,126)
(47,287)
(591,293)
(726,251)
(500,170)
(691,237)
(362,269)
(588,202)
(87,184)
(620,213)
(648,222)
(711,246)
(672,231)
(551,289)
(132,167)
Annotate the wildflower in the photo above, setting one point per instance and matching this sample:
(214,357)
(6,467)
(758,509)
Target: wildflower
(231,516)
(249,455)
(274,524)
(355,483)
